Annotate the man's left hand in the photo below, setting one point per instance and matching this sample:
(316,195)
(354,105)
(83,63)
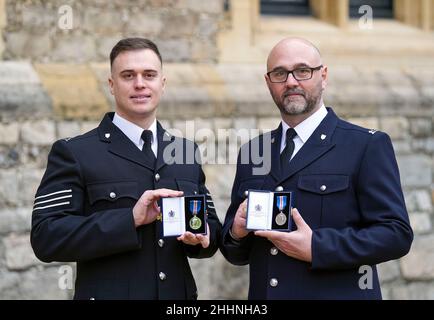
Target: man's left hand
(194,239)
(296,244)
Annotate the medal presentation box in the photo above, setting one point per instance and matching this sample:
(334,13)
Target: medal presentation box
(268,210)
(183,214)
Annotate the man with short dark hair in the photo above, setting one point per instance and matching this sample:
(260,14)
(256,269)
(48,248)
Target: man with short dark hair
(349,212)
(97,201)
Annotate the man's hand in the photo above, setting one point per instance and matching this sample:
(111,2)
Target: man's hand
(194,239)
(146,209)
(238,230)
(296,244)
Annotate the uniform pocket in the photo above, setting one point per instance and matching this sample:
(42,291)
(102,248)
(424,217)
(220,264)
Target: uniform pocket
(322,199)
(323,184)
(112,191)
(189,187)
(252,183)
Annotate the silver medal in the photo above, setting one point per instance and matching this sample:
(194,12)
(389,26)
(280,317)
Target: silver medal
(280,219)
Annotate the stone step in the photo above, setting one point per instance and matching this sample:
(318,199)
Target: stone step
(389,41)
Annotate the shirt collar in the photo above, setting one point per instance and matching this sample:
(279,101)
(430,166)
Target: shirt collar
(133,131)
(305,128)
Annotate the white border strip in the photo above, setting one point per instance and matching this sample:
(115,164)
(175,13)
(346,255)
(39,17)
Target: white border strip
(58,198)
(50,194)
(51,205)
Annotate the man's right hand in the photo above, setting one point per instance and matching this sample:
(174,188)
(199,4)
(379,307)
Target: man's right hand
(146,209)
(238,230)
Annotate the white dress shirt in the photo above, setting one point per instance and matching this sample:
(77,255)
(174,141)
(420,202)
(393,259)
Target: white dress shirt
(134,132)
(304,129)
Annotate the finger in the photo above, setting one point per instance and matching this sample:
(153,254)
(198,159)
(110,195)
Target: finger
(298,219)
(243,213)
(242,222)
(204,240)
(271,235)
(207,235)
(188,236)
(163,193)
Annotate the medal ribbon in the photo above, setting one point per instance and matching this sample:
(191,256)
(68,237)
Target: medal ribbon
(281,202)
(195,206)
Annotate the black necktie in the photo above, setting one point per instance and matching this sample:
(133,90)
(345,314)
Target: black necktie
(147,142)
(286,154)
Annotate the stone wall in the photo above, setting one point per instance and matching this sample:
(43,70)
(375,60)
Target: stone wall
(58,93)
(86,30)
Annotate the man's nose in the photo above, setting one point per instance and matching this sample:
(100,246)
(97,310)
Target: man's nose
(291,81)
(139,82)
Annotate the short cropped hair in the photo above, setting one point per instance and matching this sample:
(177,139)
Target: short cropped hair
(130,44)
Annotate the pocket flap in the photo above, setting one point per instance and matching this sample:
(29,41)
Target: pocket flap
(188,186)
(323,184)
(253,183)
(111,191)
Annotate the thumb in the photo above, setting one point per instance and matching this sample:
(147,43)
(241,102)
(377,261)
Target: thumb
(298,219)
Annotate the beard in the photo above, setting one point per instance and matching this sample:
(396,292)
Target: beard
(302,104)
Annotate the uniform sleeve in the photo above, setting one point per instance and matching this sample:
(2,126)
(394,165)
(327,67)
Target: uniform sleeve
(236,252)
(61,230)
(386,233)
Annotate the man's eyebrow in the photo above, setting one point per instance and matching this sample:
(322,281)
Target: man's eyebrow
(278,68)
(296,66)
(131,70)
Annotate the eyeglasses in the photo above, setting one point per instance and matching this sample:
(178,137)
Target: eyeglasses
(299,74)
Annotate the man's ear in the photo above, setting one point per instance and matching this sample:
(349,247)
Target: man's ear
(163,83)
(110,82)
(324,76)
(267,80)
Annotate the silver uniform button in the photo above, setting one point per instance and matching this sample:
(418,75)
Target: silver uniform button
(279,189)
(195,192)
(162,276)
(323,188)
(273,282)
(274,251)
(246,193)
(157,177)
(161,243)
(112,195)
(92,298)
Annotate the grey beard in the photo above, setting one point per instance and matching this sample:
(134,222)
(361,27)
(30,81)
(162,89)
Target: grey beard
(309,105)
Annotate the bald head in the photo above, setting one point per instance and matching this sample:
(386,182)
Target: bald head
(296,48)
(296,78)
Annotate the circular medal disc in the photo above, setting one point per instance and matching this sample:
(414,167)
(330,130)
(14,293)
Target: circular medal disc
(281,219)
(195,223)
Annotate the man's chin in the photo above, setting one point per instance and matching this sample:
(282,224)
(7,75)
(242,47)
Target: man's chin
(293,110)
(138,109)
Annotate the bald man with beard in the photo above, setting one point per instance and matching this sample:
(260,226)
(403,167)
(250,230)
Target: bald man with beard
(348,210)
